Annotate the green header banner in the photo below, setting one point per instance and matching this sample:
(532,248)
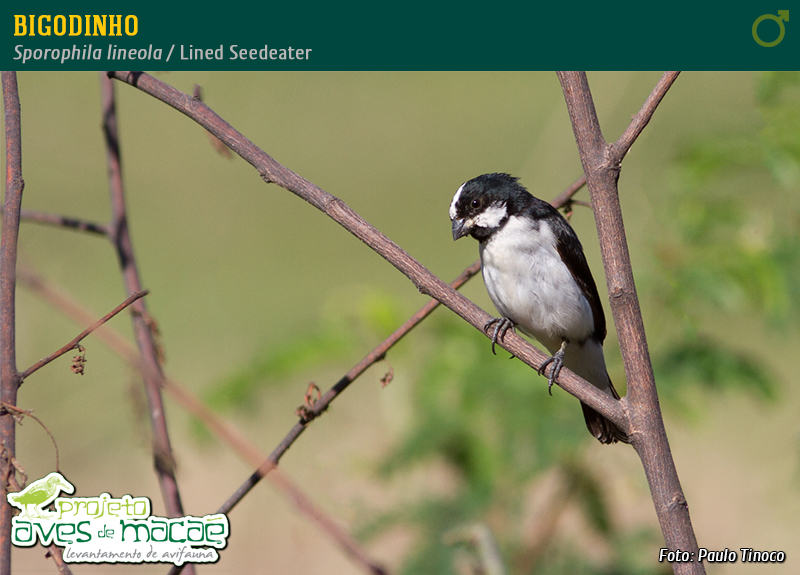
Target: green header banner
(399,36)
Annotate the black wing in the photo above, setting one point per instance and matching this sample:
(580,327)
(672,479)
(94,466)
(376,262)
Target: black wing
(571,252)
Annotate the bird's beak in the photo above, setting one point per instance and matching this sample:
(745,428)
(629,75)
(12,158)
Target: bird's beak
(461,228)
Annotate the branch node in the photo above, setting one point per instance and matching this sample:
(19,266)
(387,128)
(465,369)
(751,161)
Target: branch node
(678,501)
(79,361)
(306,412)
(388,376)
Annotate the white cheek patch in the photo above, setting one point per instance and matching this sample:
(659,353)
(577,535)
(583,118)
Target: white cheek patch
(455,201)
(491,216)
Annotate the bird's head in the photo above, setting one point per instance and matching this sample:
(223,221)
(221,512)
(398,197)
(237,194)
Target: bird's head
(483,205)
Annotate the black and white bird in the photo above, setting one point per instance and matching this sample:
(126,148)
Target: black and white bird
(538,279)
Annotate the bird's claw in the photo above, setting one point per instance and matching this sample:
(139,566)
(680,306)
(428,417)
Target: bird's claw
(501,326)
(558,362)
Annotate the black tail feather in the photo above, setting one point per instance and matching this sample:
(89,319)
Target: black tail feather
(604,430)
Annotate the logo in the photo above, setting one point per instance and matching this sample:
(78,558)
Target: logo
(783,16)
(107,530)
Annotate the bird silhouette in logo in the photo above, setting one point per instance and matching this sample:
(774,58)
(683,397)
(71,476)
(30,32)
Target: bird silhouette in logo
(40,493)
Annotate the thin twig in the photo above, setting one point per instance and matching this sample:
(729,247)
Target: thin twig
(68,306)
(63,222)
(163,459)
(620,148)
(75,342)
(601,163)
(564,197)
(426,282)
(9,378)
(13,409)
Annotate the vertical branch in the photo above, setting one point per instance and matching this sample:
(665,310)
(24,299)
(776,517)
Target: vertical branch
(601,163)
(153,375)
(9,378)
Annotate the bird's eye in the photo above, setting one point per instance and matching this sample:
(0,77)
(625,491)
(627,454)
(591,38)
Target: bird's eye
(475,203)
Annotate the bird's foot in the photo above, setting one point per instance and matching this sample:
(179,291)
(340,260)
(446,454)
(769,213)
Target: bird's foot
(501,326)
(558,362)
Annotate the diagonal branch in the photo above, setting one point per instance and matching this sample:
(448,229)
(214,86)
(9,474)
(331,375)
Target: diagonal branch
(601,164)
(620,148)
(426,282)
(75,342)
(9,378)
(564,197)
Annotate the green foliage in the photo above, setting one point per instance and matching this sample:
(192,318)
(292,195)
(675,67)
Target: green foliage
(779,102)
(730,250)
(701,364)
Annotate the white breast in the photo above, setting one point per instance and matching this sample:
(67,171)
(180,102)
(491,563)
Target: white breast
(530,284)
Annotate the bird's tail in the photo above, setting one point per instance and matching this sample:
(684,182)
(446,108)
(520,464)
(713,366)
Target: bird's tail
(605,430)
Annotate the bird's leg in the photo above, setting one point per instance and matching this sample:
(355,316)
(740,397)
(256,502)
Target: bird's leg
(501,326)
(558,362)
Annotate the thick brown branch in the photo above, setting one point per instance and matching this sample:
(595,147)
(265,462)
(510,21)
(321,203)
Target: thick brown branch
(9,378)
(601,165)
(423,279)
(75,342)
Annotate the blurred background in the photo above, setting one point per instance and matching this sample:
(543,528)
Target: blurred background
(257,294)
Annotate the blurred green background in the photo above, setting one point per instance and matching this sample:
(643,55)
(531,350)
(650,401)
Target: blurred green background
(257,294)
